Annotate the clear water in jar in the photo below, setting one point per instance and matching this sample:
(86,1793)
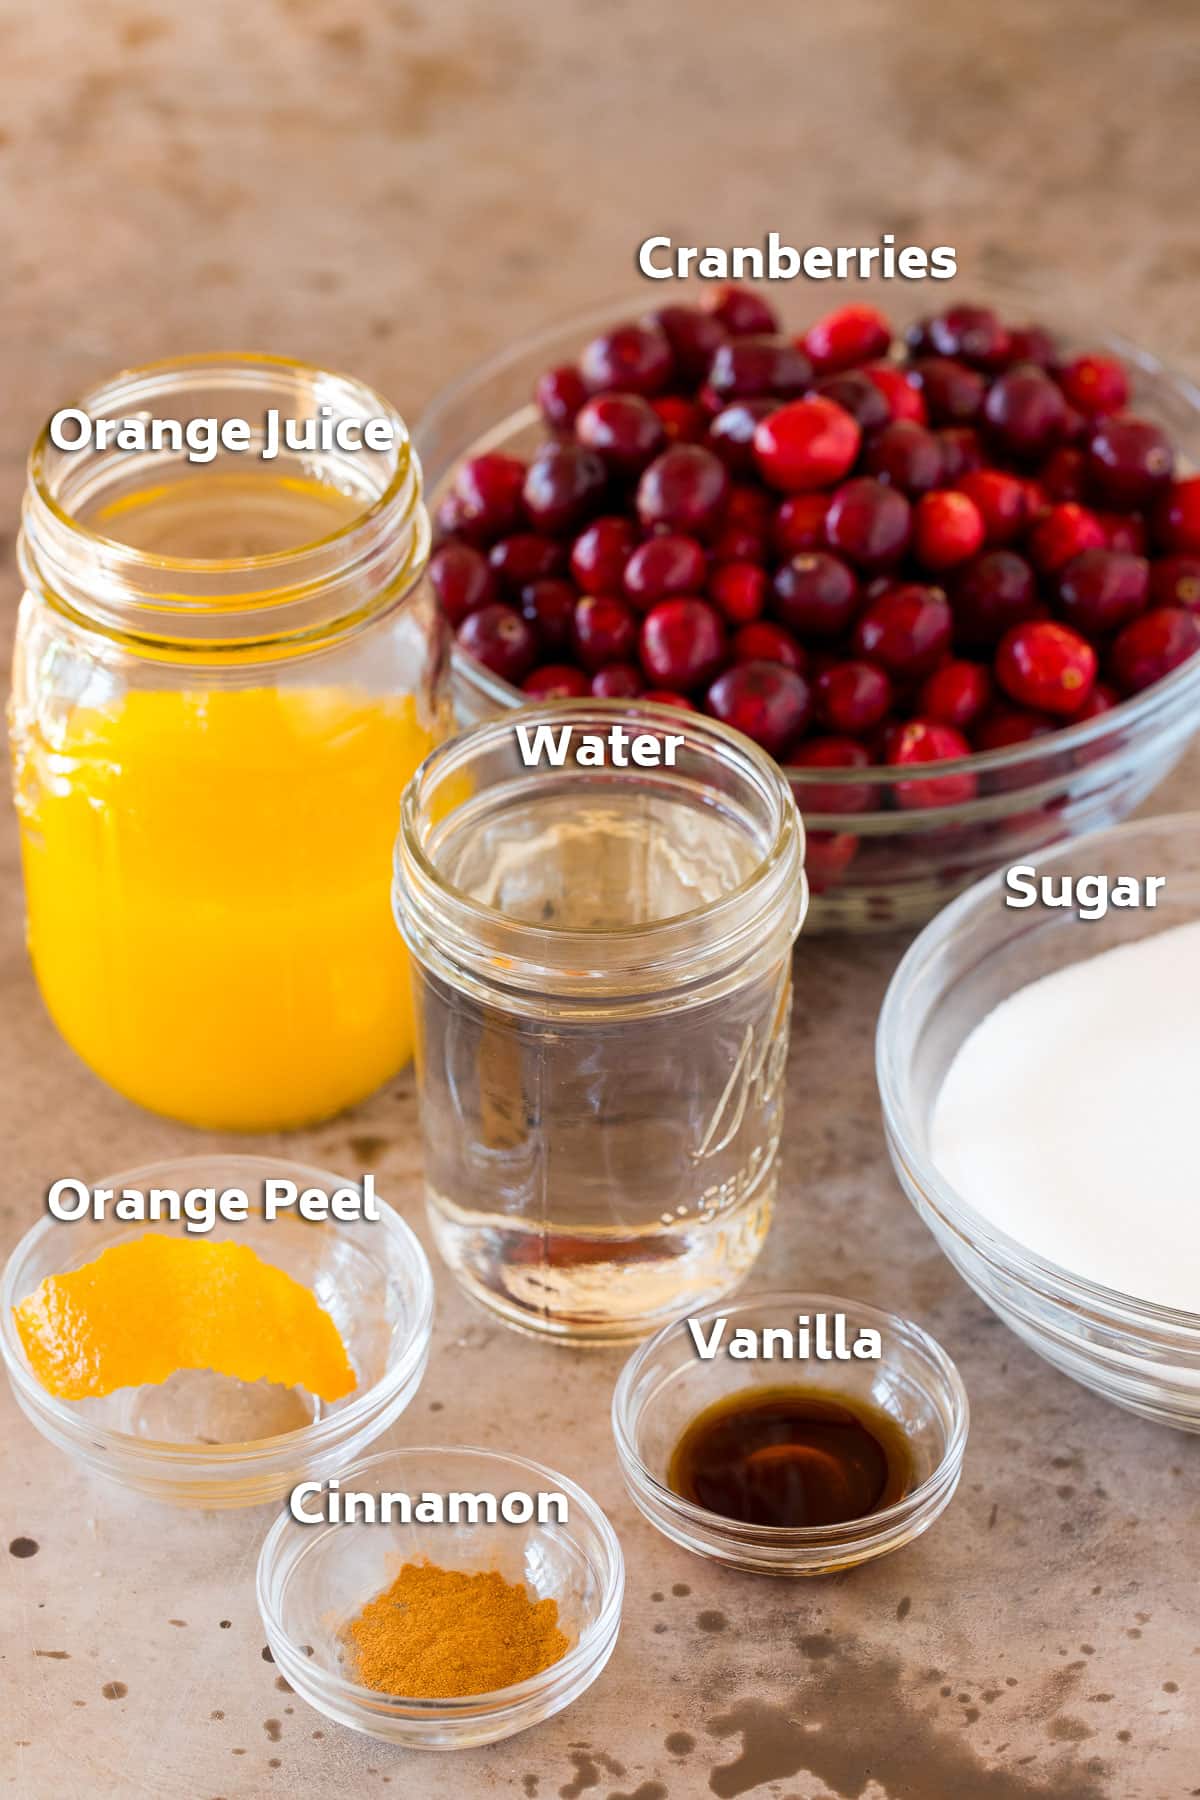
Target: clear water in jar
(587,1176)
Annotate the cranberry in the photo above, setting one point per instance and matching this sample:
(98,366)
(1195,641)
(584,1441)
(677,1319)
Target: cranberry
(685,489)
(526,557)
(549,607)
(604,631)
(1124,531)
(808,444)
(832,797)
(462,580)
(1032,344)
(991,594)
(694,337)
(925,741)
(752,506)
(765,642)
(947,529)
(1003,726)
(500,639)
(617,681)
(663,566)
(1063,533)
(682,643)
(962,452)
(907,630)
(599,555)
(856,394)
(683,422)
(668,697)
(738,543)
(1002,501)
(739,589)
(953,393)
(1102,699)
(853,697)
(634,359)
(564,485)
(956,694)
(1151,647)
(731,433)
(624,429)
(799,523)
(906,456)
(852,334)
(973,333)
(816,595)
(559,394)
(556,681)
(1063,475)
(1101,590)
(741,312)
(1025,410)
(1177,516)
(905,400)
(764,700)
(749,368)
(1094,384)
(489,488)
(827,855)
(868,523)
(1046,665)
(451,521)
(1175,581)
(1128,460)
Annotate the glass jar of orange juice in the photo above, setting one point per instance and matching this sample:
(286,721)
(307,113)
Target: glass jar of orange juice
(227,667)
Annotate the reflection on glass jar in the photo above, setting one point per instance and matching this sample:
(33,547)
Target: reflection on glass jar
(602,972)
(225,674)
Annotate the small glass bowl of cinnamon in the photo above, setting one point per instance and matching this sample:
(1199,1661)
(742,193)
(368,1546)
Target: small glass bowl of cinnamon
(316,1581)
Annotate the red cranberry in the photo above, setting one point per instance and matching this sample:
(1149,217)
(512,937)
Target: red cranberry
(1046,665)
(799,524)
(1026,411)
(1175,581)
(1032,344)
(953,393)
(556,681)
(925,741)
(947,529)
(852,334)
(683,422)
(599,555)
(1152,646)
(808,444)
(684,489)
(1063,533)
(1101,590)
(682,643)
(816,595)
(450,520)
(906,456)
(1095,384)
(741,312)
(1124,531)
(1129,460)
(907,630)
(1177,516)
(500,639)
(956,694)
(1102,699)
(973,333)
(564,485)
(738,543)
(827,854)
(991,594)
(559,394)
(462,580)
(633,359)
(749,368)
(663,566)
(1003,726)
(1063,475)
(617,681)
(622,428)
(526,557)
(962,452)
(668,697)
(694,337)
(765,642)
(605,631)
(764,700)
(731,433)
(549,607)
(831,797)
(739,589)
(868,523)
(752,506)
(858,395)
(905,400)
(1002,502)
(853,697)
(489,488)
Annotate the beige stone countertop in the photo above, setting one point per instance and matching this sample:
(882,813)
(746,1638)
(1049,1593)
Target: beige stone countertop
(397,187)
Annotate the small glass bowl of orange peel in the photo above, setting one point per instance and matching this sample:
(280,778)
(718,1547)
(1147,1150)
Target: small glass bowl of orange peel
(216,1370)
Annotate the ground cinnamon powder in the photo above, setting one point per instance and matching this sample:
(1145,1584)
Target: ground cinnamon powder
(439,1634)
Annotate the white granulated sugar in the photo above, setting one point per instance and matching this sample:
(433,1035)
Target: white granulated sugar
(1070,1118)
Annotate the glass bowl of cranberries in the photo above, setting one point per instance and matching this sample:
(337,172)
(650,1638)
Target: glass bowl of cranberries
(945,568)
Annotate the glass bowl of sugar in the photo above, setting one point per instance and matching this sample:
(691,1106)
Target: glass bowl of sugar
(1037,1067)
